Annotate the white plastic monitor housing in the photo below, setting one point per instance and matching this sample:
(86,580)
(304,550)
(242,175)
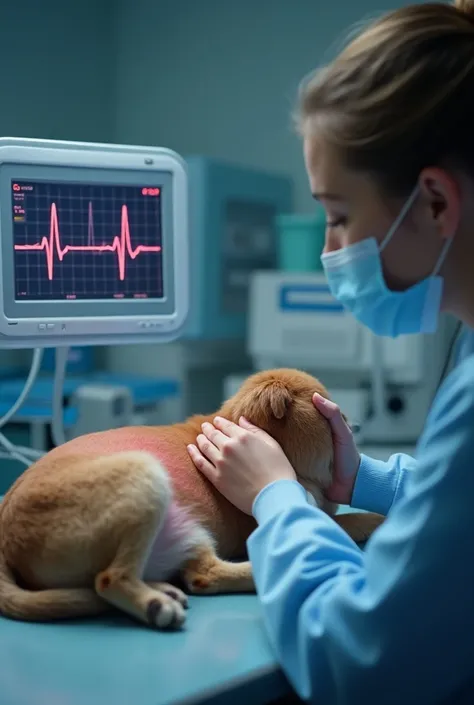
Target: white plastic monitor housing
(99,321)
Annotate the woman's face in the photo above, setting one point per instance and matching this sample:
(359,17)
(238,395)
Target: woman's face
(355,210)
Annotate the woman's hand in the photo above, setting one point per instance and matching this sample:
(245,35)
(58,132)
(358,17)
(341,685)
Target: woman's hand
(239,460)
(346,455)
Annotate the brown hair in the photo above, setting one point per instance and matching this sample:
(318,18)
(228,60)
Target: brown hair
(400,96)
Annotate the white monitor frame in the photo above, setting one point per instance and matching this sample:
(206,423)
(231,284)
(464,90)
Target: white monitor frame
(83,327)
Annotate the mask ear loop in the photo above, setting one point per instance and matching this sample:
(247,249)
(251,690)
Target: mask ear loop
(397,223)
(399,218)
(442,257)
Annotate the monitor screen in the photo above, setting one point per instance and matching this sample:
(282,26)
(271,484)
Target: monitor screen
(77,241)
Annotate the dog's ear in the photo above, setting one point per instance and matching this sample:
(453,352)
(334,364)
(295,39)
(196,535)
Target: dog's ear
(260,404)
(275,397)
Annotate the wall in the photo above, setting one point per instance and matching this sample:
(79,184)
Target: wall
(58,69)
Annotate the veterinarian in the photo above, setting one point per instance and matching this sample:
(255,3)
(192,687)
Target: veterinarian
(388,134)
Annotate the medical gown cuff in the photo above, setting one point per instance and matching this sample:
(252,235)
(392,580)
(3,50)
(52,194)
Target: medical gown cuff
(375,487)
(276,497)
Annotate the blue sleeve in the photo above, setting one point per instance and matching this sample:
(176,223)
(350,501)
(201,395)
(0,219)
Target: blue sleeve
(392,624)
(379,485)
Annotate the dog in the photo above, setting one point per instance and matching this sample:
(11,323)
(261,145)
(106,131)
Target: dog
(107,520)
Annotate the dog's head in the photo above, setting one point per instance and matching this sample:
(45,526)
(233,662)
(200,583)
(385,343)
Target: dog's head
(280,403)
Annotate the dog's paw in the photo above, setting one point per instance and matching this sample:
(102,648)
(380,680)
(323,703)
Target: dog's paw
(173,592)
(165,612)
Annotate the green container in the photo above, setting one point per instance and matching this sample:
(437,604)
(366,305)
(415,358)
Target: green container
(300,241)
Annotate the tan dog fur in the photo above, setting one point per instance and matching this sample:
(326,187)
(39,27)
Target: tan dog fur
(77,529)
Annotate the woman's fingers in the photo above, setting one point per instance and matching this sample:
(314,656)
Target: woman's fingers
(214,434)
(229,428)
(202,464)
(332,413)
(208,449)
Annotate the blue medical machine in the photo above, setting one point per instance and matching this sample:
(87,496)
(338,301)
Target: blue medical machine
(232,213)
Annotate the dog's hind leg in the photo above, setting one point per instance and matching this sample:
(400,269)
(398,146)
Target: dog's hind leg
(359,525)
(206,574)
(146,498)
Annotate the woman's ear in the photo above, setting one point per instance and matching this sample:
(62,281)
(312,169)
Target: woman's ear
(442,194)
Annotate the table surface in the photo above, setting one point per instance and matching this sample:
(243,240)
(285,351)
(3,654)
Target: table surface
(221,656)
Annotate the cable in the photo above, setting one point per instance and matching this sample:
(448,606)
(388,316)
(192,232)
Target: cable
(30,380)
(57,425)
(20,453)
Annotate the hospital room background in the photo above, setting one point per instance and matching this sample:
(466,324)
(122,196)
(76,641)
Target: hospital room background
(216,81)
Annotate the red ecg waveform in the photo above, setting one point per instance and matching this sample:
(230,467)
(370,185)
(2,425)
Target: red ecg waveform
(122,244)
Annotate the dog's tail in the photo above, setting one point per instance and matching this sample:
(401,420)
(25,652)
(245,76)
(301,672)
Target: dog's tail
(44,605)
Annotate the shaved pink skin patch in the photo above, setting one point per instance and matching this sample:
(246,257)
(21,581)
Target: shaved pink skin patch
(174,542)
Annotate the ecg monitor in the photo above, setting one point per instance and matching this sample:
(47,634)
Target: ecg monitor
(93,244)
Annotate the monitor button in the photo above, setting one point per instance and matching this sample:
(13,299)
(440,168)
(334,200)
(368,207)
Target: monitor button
(41,326)
(50,326)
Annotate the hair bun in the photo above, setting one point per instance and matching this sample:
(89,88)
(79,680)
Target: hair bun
(466,7)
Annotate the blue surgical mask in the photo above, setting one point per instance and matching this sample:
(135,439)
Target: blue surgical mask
(355,278)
